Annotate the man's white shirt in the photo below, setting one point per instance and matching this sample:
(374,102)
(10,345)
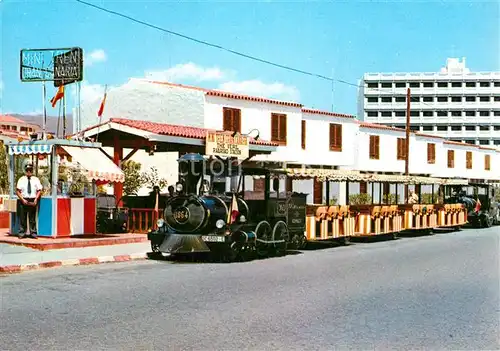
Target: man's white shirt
(22,185)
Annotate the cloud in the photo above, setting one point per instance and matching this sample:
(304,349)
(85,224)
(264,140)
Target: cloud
(258,88)
(190,72)
(94,57)
(89,92)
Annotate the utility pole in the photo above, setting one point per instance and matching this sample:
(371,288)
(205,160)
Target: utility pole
(407,158)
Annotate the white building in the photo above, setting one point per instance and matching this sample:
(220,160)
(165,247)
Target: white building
(454,103)
(305,136)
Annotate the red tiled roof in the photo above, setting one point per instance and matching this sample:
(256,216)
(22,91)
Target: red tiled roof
(10,119)
(488,148)
(175,130)
(13,135)
(429,135)
(459,143)
(379,126)
(326,113)
(229,95)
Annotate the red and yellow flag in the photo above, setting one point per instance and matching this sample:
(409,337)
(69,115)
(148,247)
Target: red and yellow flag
(101,108)
(59,95)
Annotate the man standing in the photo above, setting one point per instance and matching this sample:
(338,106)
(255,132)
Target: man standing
(28,190)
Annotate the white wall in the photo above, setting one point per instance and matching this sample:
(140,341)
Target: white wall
(387,161)
(141,100)
(418,155)
(317,150)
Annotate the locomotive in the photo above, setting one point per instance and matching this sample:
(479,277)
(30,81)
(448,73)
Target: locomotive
(202,217)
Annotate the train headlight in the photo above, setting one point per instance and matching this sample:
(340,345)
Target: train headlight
(179,187)
(220,223)
(160,223)
(243,219)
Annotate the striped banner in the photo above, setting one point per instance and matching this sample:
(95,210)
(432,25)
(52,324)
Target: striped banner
(29,149)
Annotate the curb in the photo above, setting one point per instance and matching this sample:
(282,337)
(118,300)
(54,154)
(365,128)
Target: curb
(18,268)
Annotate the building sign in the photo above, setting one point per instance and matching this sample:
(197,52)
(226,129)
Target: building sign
(63,66)
(225,145)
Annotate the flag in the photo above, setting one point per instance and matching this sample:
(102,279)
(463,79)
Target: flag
(233,211)
(59,95)
(478,205)
(101,108)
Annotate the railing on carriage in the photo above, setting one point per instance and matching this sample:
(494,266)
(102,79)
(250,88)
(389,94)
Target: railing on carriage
(140,220)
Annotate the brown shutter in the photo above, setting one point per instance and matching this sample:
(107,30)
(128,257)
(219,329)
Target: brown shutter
(468,160)
(318,192)
(363,187)
(274,127)
(303,134)
(228,120)
(487,162)
(335,137)
(451,159)
(431,153)
(282,129)
(237,121)
(376,147)
(338,137)
(371,146)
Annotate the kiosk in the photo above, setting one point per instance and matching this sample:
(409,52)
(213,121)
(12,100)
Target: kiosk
(67,207)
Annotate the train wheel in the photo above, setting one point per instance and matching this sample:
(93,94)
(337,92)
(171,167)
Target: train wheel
(280,232)
(263,232)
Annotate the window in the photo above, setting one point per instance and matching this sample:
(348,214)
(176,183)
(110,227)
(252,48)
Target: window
(497,98)
(456,113)
(372,99)
(468,159)
(456,84)
(496,128)
(431,153)
(470,113)
(451,159)
(496,113)
(487,165)
(428,128)
(470,128)
(456,128)
(442,114)
(470,84)
(335,137)
(386,114)
(484,142)
(400,85)
(372,85)
(232,119)
(428,99)
(470,98)
(374,147)
(484,98)
(400,113)
(386,99)
(427,113)
(415,99)
(484,84)
(414,113)
(303,134)
(386,85)
(442,98)
(484,113)
(278,128)
(484,128)
(372,114)
(456,99)
(414,85)
(442,128)
(497,84)
(400,99)
(401,149)
(442,85)
(428,84)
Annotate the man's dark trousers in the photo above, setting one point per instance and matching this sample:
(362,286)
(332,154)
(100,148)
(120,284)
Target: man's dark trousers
(24,210)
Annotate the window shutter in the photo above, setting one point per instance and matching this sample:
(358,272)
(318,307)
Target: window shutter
(332,136)
(371,146)
(237,121)
(274,128)
(468,160)
(450,159)
(282,128)
(338,136)
(227,123)
(303,134)
(377,147)
(318,192)
(487,162)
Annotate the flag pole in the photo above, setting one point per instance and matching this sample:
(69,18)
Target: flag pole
(100,117)
(64,114)
(44,97)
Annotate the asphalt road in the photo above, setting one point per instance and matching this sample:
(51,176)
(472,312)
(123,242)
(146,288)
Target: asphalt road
(436,292)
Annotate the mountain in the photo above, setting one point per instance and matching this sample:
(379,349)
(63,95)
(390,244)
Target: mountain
(51,122)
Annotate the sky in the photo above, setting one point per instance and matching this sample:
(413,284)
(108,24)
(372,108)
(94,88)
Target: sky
(343,39)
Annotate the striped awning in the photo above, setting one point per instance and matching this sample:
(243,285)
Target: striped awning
(325,174)
(26,149)
(96,164)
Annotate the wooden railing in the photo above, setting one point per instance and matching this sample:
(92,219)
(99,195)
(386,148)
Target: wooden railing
(140,220)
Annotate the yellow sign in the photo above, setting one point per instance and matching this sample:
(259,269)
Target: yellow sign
(224,144)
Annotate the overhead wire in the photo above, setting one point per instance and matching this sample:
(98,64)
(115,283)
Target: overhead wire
(220,47)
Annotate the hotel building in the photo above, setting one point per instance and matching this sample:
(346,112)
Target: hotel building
(454,103)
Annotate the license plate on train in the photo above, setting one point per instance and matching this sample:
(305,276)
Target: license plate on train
(213,238)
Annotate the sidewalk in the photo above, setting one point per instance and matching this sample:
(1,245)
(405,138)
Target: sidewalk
(15,259)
